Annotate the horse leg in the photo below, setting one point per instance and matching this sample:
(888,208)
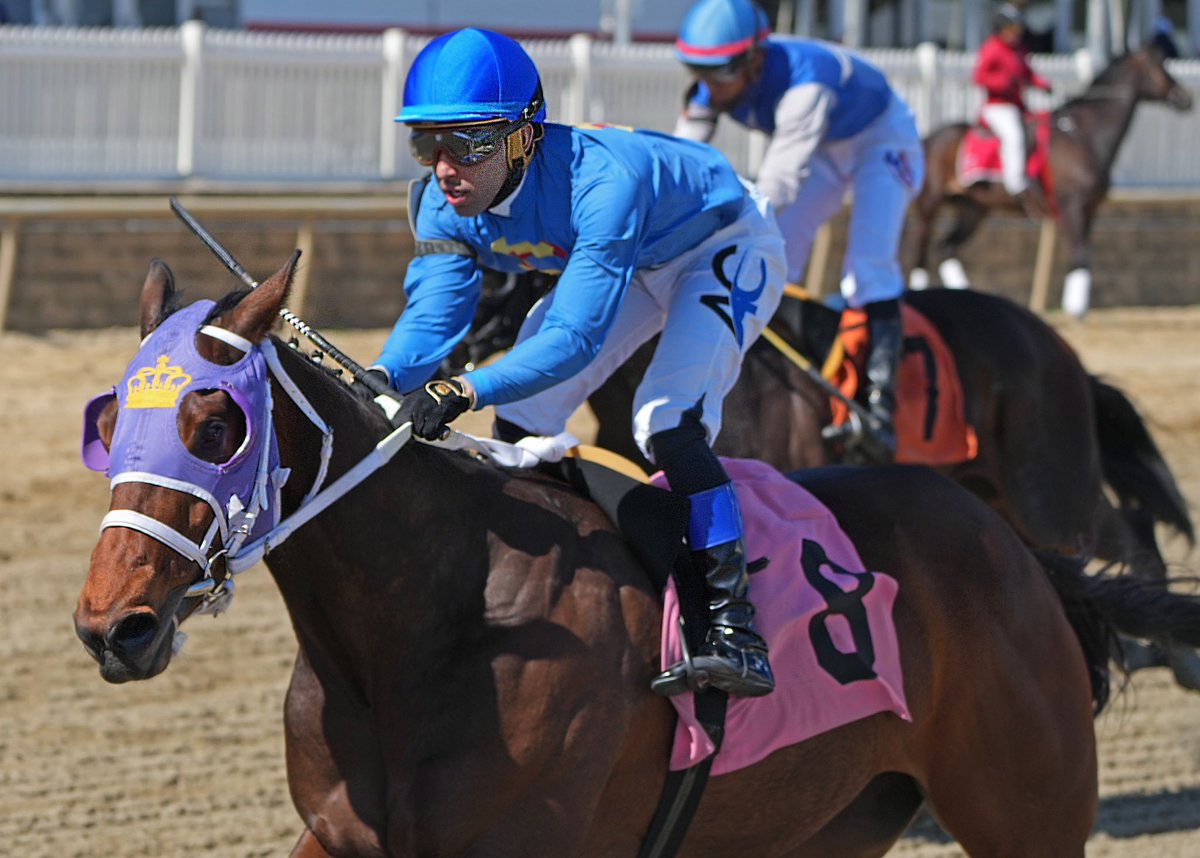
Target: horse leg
(872,823)
(950,269)
(1076,222)
(308,847)
(923,210)
(1128,536)
(989,775)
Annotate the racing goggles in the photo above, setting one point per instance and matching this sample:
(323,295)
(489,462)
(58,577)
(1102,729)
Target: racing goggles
(463,146)
(470,144)
(727,73)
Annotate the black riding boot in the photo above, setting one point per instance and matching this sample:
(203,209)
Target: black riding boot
(734,655)
(885,340)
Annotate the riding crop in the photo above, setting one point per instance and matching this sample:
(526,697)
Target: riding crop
(219,251)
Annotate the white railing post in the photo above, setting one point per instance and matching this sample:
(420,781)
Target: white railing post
(581,79)
(191,37)
(392,94)
(927,102)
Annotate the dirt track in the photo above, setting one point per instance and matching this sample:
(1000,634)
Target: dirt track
(192,762)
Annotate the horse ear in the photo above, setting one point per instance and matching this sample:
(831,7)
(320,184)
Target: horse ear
(157,293)
(257,313)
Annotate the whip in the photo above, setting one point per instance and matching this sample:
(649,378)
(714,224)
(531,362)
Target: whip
(235,267)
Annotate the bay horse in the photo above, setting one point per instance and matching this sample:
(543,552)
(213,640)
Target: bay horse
(476,644)
(1085,135)
(1054,442)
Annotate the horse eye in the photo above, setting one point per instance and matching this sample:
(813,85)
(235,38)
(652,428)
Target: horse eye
(212,433)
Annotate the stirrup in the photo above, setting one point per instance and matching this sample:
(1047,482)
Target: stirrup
(860,443)
(682,676)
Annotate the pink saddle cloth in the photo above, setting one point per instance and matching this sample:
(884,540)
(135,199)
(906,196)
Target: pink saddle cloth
(833,663)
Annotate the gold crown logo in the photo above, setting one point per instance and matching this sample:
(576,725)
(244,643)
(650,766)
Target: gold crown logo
(157,386)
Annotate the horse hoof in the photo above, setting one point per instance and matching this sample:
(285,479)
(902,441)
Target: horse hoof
(1137,655)
(1077,289)
(1185,664)
(953,275)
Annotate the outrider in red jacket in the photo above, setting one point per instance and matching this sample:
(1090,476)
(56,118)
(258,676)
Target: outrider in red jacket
(1003,72)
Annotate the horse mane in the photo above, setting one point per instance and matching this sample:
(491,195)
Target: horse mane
(360,394)
(1102,79)
(226,303)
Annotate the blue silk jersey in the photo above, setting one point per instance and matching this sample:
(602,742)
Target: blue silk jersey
(596,204)
(861,92)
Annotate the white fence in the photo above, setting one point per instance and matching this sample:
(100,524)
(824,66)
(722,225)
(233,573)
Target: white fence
(97,109)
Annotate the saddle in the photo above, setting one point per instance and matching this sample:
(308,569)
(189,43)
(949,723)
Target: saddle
(979,161)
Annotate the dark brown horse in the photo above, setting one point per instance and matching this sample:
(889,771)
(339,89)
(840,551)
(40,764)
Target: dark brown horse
(475,645)
(1054,441)
(1086,133)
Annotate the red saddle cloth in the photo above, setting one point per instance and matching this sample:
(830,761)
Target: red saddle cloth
(931,428)
(979,155)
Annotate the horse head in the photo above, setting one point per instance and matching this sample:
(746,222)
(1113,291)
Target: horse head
(188,441)
(1154,82)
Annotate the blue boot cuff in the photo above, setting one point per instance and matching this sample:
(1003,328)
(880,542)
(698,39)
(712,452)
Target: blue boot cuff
(716,517)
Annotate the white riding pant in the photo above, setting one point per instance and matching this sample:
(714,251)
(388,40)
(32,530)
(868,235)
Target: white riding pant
(1008,124)
(884,165)
(706,322)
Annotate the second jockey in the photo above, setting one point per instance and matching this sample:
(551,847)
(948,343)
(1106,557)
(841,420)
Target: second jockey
(835,125)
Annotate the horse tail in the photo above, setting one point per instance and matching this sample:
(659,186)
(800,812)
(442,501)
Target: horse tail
(1100,606)
(1132,464)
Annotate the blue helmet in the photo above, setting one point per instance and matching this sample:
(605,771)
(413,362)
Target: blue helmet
(472,75)
(718,32)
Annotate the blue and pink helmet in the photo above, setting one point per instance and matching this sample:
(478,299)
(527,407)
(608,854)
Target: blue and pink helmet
(719,32)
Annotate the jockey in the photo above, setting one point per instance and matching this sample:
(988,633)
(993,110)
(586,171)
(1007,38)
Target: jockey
(1003,72)
(650,235)
(835,125)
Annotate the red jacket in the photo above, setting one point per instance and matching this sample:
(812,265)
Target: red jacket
(1003,72)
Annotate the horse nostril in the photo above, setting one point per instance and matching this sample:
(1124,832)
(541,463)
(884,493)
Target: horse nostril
(132,633)
(93,643)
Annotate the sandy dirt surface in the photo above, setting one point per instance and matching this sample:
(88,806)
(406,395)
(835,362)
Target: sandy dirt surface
(191,763)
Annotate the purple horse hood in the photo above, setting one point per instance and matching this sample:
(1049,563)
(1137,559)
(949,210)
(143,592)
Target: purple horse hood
(146,446)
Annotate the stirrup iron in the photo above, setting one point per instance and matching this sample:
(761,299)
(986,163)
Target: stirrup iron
(682,676)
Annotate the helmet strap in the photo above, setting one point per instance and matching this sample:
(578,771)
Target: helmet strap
(755,63)
(519,155)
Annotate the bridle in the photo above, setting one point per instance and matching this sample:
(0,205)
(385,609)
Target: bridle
(244,494)
(246,516)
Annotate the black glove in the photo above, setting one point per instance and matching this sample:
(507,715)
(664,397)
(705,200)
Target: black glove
(433,407)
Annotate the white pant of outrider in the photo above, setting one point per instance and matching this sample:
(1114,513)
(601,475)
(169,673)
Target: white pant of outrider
(1008,124)
(702,342)
(884,166)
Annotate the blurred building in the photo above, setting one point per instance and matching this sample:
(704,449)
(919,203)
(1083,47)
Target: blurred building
(1104,27)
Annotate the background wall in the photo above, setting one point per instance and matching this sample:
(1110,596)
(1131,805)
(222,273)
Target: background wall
(88,273)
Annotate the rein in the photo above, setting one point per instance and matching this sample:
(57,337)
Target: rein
(239,550)
(860,416)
